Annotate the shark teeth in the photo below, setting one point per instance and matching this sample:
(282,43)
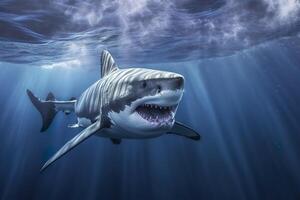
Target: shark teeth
(158,107)
(157,114)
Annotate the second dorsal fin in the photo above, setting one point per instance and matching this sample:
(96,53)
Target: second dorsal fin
(107,63)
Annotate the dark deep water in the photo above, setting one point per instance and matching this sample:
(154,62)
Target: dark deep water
(245,103)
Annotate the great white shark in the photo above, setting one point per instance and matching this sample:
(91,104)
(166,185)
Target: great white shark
(133,103)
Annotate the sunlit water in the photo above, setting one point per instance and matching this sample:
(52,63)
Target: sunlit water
(245,105)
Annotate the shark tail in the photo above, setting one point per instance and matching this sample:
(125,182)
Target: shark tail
(46,108)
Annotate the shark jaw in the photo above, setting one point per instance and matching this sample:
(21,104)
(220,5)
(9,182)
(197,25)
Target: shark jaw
(157,115)
(159,110)
(149,115)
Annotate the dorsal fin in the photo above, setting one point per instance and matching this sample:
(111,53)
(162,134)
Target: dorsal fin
(107,63)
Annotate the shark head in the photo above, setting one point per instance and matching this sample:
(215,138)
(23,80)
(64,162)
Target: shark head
(143,100)
(148,100)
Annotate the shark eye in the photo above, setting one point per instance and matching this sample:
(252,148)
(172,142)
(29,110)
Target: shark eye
(159,89)
(144,84)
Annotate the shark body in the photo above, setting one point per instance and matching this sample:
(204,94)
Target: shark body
(128,103)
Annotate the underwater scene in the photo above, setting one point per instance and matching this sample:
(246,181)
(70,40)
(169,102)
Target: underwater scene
(150,99)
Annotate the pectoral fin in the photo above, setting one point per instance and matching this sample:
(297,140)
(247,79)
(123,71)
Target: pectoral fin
(83,135)
(183,130)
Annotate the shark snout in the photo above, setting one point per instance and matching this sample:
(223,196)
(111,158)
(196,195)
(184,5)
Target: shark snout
(178,82)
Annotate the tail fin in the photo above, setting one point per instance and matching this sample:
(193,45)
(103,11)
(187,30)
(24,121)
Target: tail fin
(46,108)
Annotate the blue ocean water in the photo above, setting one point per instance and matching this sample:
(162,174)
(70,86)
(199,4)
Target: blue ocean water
(241,65)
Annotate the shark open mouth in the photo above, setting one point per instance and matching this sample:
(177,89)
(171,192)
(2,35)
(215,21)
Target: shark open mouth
(157,114)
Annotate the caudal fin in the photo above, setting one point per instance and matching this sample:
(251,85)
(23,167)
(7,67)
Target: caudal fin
(46,108)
